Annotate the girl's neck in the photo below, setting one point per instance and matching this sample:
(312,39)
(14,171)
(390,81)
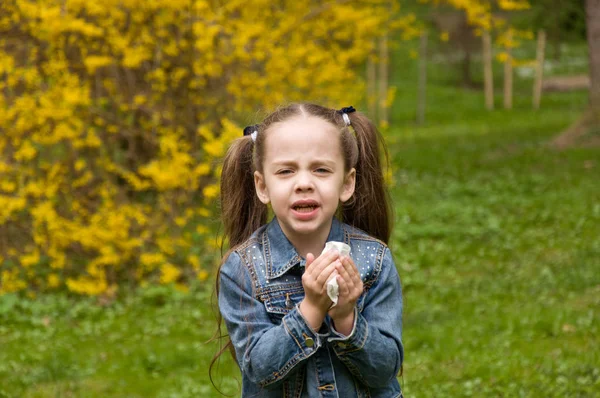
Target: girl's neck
(309,244)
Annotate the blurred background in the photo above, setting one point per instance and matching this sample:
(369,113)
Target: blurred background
(114,117)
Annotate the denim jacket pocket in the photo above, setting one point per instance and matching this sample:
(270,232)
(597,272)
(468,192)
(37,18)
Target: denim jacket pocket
(279,300)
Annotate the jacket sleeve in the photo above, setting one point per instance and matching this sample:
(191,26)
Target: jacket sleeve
(266,352)
(373,351)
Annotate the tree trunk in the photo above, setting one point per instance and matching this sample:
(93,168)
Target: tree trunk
(591,118)
(592,10)
(466,43)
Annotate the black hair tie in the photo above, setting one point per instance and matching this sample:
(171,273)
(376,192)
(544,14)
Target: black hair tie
(252,131)
(345,111)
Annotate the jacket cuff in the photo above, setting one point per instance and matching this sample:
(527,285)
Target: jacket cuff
(305,337)
(355,340)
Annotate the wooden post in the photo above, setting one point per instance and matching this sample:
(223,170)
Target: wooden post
(508,78)
(539,69)
(371,86)
(383,80)
(488,76)
(422,93)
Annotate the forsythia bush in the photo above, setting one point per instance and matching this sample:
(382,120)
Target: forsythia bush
(114,113)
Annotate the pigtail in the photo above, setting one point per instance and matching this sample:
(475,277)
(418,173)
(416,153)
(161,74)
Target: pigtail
(242,213)
(241,210)
(370,207)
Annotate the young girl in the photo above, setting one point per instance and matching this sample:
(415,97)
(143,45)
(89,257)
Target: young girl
(319,170)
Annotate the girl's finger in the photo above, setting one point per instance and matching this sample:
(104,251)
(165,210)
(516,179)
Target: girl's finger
(343,286)
(345,276)
(325,275)
(310,258)
(351,268)
(323,261)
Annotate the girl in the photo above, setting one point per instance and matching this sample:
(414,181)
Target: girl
(310,163)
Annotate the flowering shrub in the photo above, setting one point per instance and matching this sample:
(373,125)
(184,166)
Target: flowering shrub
(113,116)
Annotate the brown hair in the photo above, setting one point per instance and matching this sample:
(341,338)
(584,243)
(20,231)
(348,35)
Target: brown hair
(368,209)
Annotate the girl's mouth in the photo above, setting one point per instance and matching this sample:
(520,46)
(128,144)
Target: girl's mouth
(304,208)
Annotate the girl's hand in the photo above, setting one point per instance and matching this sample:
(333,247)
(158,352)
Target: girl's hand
(314,280)
(351,287)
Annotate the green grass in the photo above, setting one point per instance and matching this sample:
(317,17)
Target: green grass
(151,344)
(498,244)
(497,241)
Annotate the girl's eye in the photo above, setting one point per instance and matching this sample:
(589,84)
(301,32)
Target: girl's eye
(284,171)
(321,170)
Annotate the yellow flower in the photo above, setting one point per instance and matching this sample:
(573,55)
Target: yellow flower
(94,62)
(86,285)
(169,273)
(27,260)
(211,191)
(53,281)
(26,152)
(202,275)
(510,5)
(202,229)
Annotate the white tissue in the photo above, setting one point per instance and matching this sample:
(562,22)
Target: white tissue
(333,289)
(341,247)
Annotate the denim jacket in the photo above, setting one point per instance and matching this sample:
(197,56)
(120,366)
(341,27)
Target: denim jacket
(277,351)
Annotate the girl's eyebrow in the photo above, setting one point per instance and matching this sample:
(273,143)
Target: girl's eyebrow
(284,162)
(325,162)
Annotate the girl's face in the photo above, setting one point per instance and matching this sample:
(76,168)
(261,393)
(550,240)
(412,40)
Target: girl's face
(303,176)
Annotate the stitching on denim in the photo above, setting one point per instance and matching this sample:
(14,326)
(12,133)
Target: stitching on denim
(266,246)
(318,380)
(363,390)
(353,369)
(242,252)
(378,266)
(286,267)
(362,343)
(365,237)
(286,388)
(346,237)
(357,387)
(300,379)
(287,329)
(278,375)
(275,303)
(280,288)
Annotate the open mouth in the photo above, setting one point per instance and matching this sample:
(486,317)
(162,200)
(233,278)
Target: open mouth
(304,208)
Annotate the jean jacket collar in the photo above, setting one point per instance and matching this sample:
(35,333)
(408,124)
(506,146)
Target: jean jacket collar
(281,255)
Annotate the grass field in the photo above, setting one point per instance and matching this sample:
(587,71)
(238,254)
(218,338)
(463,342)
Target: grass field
(497,242)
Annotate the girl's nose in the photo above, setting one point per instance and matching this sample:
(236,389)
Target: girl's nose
(304,182)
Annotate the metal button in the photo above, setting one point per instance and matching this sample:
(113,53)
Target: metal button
(289,304)
(309,341)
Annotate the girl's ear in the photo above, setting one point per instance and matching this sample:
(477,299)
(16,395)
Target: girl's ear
(349,184)
(261,188)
